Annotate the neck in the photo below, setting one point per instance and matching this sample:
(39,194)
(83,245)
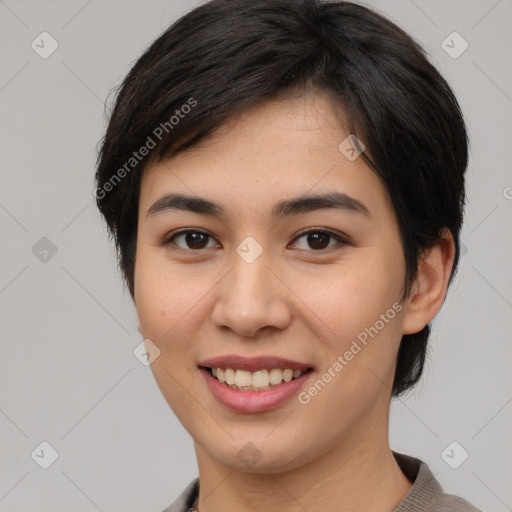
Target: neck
(356,475)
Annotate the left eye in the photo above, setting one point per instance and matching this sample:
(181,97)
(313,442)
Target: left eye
(319,239)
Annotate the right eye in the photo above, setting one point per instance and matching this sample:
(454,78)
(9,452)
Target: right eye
(193,240)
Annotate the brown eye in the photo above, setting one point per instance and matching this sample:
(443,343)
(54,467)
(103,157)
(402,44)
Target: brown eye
(318,240)
(191,240)
(196,240)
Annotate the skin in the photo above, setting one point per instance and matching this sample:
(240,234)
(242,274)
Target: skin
(294,301)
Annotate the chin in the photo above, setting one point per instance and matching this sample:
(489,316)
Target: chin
(257,455)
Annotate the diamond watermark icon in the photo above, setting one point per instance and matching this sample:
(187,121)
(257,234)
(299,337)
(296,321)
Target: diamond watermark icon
(454,455)
(249,250)
(463,250)
(351,148)
(249,455)
(44,455)
(146,352)
(44,250)
(454,45)
(44,45)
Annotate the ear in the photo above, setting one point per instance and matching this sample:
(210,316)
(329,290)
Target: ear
(429,289)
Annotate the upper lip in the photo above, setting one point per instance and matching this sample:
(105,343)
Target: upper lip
(253,364)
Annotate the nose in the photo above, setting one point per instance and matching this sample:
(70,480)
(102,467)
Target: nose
(251,299)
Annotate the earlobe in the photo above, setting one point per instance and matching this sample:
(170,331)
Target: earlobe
(431,284)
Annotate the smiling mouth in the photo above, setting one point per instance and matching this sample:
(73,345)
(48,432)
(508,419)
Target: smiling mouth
(260,380)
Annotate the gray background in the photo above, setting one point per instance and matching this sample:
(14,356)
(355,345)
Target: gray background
(68,375)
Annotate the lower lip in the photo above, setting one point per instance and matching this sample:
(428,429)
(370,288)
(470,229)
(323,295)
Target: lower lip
(253,401)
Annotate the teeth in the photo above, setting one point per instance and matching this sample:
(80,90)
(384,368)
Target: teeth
(260,379)
(242,378)
(276,376)
(230,376)
(287,375)
(255,381)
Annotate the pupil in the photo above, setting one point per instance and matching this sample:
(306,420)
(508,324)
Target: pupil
(316,240)
(194,240)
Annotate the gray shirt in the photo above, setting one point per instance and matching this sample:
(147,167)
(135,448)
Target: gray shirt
(425,495)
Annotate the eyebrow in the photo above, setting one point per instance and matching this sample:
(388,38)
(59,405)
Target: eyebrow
(303,204)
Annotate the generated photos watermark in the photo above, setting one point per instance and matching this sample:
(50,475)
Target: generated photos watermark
(356,346)
(151,142)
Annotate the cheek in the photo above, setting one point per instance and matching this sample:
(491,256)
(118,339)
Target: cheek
(359,302)
(159,300)
(170,301)
(352,295)
(169,307)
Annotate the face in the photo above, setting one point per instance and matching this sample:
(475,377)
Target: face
(256,276)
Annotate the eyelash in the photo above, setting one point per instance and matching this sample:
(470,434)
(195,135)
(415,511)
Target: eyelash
(342,241)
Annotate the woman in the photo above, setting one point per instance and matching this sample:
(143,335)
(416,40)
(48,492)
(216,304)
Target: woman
(284,180)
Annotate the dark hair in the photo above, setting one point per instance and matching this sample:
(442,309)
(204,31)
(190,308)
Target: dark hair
(228,55)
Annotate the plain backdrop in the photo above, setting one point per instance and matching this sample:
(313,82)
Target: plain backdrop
(68,374)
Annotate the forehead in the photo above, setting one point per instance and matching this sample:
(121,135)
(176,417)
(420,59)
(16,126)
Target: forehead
(276,149)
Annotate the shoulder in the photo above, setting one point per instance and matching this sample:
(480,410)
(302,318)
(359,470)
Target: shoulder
(183,503)
(449,502)
(426,494)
